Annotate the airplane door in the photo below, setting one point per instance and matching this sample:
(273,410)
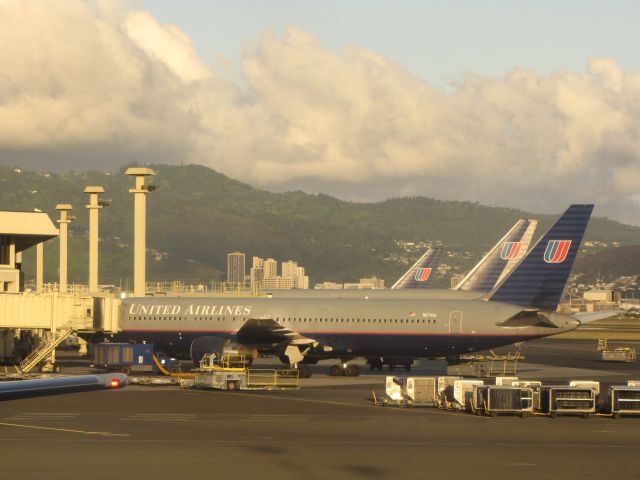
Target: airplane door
(455,322)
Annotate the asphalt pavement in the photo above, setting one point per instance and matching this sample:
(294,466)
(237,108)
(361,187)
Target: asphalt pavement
(327,429)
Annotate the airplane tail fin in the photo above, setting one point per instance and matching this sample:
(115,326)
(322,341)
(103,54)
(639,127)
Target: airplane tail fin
(421,274)
(501,259)
(539,279)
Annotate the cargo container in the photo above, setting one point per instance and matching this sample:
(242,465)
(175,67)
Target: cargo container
(395,388)
(505,381)
(463,393)
(422,391)
(498,399)
(564,400)
(587,384)
(624,400)
(445,388)
(633,383)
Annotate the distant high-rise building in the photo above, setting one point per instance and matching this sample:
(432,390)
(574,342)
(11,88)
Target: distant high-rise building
(258,262)
(257,276)
(289,268)
(301,281)
(235,267)
(270,268)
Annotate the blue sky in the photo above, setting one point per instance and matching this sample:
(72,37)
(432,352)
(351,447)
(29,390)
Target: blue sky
(438,41)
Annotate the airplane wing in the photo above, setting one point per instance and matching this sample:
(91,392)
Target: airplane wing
(268,330)
(421,274)
(501,259)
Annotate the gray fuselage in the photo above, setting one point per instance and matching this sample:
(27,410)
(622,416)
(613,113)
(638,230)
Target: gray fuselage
(350,327)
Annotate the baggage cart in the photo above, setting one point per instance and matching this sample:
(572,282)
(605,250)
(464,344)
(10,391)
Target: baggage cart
(498,399)
(621,354)
(463,393)
(422,391)
(565,400)
(624,400)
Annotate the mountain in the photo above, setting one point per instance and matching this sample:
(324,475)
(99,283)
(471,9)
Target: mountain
(198,215)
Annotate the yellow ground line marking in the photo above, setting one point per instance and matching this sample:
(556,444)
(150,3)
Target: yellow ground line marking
(68,430)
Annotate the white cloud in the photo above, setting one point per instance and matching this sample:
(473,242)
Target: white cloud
(77,73)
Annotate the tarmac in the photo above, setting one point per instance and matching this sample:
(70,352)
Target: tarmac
(327,429)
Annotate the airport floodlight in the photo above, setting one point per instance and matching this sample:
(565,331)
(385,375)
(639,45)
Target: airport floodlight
(140,226)
(140,171)
(93,189)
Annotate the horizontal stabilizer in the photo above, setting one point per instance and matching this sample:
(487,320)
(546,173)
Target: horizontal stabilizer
(593,316)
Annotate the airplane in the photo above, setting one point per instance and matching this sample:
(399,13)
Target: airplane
(302,331)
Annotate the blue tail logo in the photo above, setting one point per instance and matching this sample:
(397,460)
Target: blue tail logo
(422,274)
(510,250)
(539,279)
(557,251)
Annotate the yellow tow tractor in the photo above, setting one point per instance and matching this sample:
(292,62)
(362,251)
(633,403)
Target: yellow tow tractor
(232,371)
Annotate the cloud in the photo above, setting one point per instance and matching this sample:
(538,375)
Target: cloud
(78,75)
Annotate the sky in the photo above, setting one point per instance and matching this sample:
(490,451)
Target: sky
(531,105)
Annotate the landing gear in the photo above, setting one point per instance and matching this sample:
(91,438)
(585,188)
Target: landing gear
(348,370)
(304,371)
(375,363)
(352,370)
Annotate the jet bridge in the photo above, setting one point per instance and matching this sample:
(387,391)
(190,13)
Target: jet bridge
(59,315)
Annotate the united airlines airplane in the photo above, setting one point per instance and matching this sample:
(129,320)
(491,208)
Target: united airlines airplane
(304,330)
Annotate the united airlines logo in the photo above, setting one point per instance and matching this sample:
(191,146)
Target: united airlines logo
(557,251)
(422,274)
(510,250)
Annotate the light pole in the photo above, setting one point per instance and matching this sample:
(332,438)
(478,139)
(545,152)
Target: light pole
(64,222)
(140,227)
(94,208)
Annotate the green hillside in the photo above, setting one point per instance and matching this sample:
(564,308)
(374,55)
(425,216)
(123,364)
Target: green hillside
(198,216)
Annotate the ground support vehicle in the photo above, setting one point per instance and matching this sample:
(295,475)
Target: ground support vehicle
(232,372)
(131,358)
(565,400)
(624,400)
(480,365)
(492,400)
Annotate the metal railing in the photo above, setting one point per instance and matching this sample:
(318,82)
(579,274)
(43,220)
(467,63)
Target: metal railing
(45,348)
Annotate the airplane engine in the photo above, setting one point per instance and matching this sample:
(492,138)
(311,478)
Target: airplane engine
(214,344)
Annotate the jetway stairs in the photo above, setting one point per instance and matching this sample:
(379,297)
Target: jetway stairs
(43,350)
